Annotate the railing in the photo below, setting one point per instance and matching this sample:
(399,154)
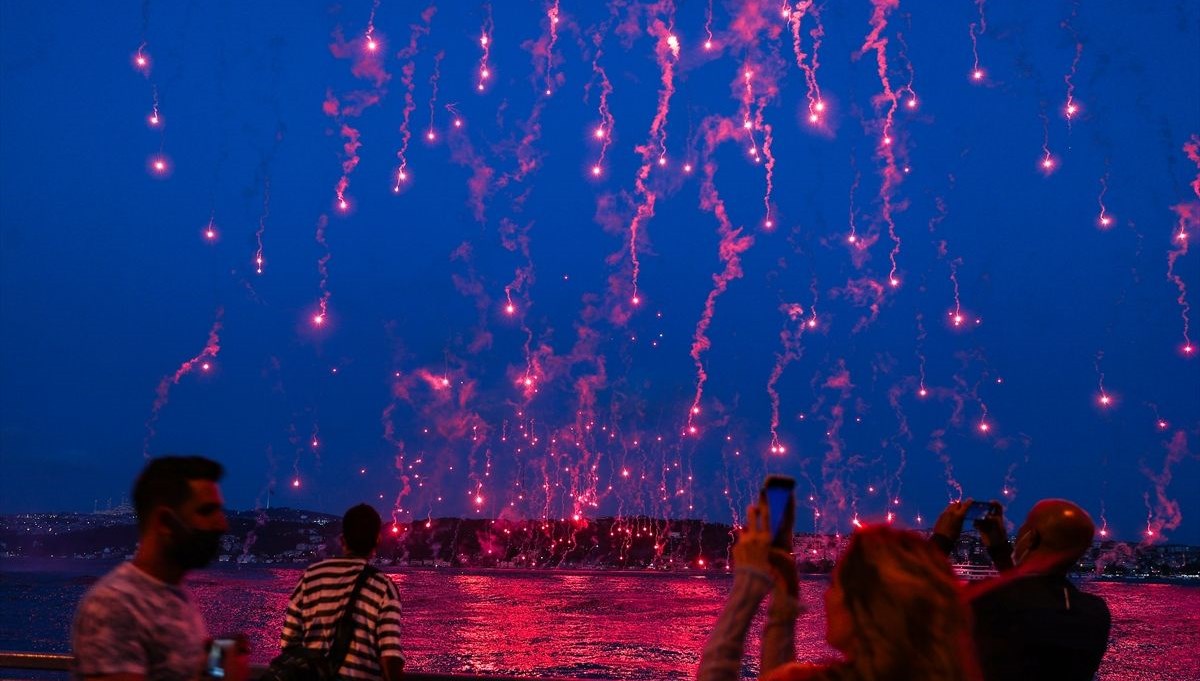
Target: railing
(57,662)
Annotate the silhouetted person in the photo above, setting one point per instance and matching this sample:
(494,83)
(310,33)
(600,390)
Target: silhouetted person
(893,609)
(324,590)
(137,622)
(1031,622)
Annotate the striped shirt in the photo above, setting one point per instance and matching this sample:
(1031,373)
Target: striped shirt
(318,602)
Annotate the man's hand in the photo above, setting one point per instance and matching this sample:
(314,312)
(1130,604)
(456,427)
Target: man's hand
(949,523)
(753,545)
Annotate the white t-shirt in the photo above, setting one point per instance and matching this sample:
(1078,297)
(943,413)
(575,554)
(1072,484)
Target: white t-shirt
(130,622)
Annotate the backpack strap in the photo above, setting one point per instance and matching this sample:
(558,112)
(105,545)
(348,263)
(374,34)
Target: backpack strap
(343,630)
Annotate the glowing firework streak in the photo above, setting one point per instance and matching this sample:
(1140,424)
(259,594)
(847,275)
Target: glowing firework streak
(747,105)
(210,230)
(790,340)
(1072,107)
(1103,398)
(957,319)
(852,238)
(202,361)
(977,29)
(1047,163)
(1104,220)
(732,245)
(369,37)
(365,64)
(809,67)
(753,120)
(322,314)
(433,85)
(1165,515)
(891,177)
(666,52)
(708,22)
(406,78)
(485,42)
(922,390)
(1189,219)
(262,225)
(604,130)
(909,94)
(552,14)
(153,119)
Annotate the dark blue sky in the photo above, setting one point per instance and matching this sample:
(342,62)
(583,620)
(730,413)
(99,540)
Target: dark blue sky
(109,284)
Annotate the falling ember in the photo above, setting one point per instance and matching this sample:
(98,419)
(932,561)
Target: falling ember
(296,482)
(159,166)
(977,75)
(984,426)
(205,366)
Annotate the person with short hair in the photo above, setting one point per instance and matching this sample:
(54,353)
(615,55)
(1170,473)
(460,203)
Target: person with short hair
(893,609)
(1031,622)
(138,622)
(322,594)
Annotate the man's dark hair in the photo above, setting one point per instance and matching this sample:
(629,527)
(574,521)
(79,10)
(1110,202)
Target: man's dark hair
(164,482)
(360,529)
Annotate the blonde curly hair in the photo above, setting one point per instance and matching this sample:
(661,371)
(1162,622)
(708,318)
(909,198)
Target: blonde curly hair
(907,611)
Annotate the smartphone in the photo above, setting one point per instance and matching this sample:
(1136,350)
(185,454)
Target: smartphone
(978,510)
(221,650)
(778,490)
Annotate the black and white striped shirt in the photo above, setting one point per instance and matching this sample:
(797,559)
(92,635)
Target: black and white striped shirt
(318,601)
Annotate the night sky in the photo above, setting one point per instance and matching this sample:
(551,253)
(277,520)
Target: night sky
(1027,342)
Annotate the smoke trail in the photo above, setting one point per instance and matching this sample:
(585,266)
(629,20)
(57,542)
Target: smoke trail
(732,244)
(666,53)
(203,360)
(1188,214)
(406,78)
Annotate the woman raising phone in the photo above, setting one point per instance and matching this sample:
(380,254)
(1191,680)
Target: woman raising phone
(893,609)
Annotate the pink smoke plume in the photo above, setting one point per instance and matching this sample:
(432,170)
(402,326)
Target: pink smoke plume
(886,149)
(407,71)
(1188,214)
(1164,512)
(366,64)
(203,360)
(321,316)
(654,151)
(715,130)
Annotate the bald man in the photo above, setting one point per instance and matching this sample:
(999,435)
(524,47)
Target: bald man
(1031,622)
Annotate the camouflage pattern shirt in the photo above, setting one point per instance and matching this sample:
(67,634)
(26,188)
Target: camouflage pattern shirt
(131,623)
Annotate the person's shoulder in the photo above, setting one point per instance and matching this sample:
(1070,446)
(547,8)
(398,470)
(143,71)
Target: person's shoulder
(382,581)
(1092,602)
(115,586)
(332,565)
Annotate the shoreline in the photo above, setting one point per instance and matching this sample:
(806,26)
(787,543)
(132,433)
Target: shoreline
(85,566)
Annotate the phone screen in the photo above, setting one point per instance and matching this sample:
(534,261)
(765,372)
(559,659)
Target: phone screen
(218,652)
(777,500)
(978,510)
